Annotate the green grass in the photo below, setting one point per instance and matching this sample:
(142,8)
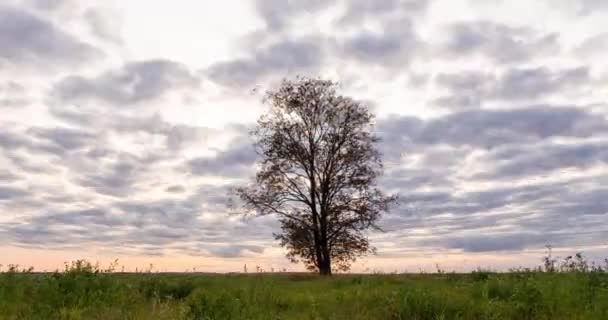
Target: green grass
(84,292)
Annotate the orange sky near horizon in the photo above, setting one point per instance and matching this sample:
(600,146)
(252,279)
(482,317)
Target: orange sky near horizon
(51,260)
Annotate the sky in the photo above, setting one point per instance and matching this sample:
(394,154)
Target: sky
(124,127)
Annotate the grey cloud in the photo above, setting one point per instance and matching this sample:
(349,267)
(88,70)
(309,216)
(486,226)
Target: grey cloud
(471,89)
(161,233)
(533,160)
(185,224)
(104,24)
(426,138)
(134,83)
(25,234)
(13,141)
(481,202)
(359,10)
(469,204)
(102,21)
(277,13)
(593,201)
(47,141)
(464,80)
(412,179)
(73,115)
(587,7)
(532,83)
(24,162)
(175,189)
(434,168)
(29,41)
(50,197)
(516,241)
(47,5)
(176,135)
(398,134)
(235,251)
(64,138)
(9,140)
(13,95)
(579,8)
(397,43)
(88,217)
(426,197)
(285,58)
(86,159)
(418,79)
(467,89)
(169,213)
(117,179)
(165,221)
(107,171)
(235,161)
(520,143)
(180,135)
(156,235)
(6,176)
(460,101)
(492,128)
(214,197)
(10,193)
(499,43)
(540,213)
(55,229)
(13,102)
(361,7)
(490,242)
(595,45)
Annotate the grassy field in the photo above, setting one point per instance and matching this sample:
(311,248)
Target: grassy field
(86,292)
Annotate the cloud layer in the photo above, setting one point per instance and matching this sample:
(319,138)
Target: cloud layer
(31,42)
(495,131)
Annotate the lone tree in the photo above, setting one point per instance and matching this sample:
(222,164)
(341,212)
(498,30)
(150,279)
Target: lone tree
(317,174)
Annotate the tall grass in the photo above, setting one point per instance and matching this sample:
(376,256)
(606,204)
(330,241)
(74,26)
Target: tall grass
(85,291)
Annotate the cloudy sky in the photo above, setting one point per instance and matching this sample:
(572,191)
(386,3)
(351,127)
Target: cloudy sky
(123,125)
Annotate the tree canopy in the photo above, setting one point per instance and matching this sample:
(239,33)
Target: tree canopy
(318,173)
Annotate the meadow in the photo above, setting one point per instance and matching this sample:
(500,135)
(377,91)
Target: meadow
(84,291)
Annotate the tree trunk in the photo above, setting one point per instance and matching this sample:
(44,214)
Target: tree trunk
(325,269)
(325,265)
(328,266)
